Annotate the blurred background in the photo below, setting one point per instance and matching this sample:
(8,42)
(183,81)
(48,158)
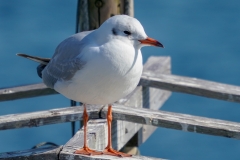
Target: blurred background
(201,36)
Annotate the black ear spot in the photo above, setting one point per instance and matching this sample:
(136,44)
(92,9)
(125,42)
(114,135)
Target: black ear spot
(114,31)
(127,32)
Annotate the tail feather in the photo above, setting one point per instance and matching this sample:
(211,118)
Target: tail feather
(43,61)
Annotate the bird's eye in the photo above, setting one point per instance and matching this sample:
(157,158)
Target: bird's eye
(127,32)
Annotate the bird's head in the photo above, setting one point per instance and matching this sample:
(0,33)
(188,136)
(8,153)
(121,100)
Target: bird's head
(127,29)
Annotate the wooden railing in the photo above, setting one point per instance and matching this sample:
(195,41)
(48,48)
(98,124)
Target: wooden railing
(135,116)
(123,131)
(134,113)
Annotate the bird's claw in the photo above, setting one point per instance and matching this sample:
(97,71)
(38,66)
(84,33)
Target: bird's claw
(87,151)
(112,152)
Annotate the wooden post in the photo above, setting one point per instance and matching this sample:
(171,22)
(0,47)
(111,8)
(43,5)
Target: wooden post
(92,13)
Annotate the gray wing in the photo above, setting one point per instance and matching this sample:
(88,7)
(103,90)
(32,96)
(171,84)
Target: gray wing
(64,62)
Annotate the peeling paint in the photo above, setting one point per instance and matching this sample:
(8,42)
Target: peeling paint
(63,118)
(41,122)
(70,157)
(119,116)
(155,121)
(195,129)
(148,121)
(18,124)
(184,127)
(237,136)
(72,118)
(6,91)
(230,97)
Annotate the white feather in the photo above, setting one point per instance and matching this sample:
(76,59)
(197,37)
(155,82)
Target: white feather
(113,63)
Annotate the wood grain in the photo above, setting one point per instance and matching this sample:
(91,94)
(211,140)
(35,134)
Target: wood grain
(177,121)
(35,119)
(96,138)
(143,116)
(191,86)
(50,153)
(27,91)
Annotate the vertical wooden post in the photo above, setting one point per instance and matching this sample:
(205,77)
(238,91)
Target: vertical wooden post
(127,7)
(92,13)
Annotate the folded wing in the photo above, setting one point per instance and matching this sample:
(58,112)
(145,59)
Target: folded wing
(64,62)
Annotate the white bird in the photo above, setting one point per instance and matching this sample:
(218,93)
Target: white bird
(98,67)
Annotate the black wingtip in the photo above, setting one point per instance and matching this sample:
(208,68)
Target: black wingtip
(21,55)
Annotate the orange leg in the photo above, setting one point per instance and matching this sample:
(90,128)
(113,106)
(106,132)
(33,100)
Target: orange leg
(109,150)
(86,150)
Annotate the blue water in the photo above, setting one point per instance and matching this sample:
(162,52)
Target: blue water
(201,36)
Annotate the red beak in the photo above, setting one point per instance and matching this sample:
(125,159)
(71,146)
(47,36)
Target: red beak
(151,42)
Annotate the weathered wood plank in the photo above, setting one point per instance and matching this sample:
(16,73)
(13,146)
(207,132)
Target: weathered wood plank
(27,91)
(177,121)
(49,153)
(103,157)
(191,86)
(35,119)
(96,138)
(143,116)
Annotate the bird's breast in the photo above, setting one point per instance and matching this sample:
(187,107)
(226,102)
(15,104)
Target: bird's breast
(111,72)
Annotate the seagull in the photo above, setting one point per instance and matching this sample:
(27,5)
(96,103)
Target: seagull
(98,67)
